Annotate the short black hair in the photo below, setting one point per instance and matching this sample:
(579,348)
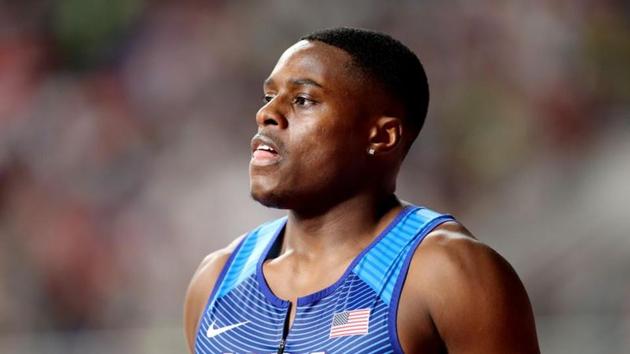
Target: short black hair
(387,61)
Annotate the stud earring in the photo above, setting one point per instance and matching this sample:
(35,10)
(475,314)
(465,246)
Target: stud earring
(371,151)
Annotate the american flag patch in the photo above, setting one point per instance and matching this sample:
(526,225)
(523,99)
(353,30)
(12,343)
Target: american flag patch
(350,323)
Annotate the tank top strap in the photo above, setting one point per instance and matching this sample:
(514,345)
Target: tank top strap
(387,261)
(242,263)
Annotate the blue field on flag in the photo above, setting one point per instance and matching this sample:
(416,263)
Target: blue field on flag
(350,323)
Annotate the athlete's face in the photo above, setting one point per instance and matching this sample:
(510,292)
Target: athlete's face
(312,129)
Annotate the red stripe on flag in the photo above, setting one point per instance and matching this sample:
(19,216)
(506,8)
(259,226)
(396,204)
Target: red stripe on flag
(350,323)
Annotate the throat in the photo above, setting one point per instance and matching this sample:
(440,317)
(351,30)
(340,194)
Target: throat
(291,278)
(301,262)
(344,229)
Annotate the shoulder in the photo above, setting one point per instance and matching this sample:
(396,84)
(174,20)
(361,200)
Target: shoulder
(201,286)
(469,291)
(451,257)
(451,253)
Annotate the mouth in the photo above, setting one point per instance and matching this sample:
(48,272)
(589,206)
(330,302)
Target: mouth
(264,151)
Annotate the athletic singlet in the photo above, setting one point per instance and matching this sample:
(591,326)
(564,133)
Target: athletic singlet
(356,314)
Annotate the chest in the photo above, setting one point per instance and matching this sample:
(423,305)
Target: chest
(251,320)
(356,314)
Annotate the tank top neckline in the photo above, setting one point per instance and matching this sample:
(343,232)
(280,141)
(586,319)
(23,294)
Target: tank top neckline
(320,294)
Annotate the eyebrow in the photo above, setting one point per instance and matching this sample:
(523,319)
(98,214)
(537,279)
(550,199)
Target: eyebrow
(296,82)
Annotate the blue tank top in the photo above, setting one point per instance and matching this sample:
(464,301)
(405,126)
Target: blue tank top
(356,314)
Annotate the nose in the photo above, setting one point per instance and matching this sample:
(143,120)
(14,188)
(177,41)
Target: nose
(271,115)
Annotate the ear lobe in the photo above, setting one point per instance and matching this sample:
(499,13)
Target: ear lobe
(385,134)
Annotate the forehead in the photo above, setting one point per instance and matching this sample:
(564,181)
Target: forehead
(325,64)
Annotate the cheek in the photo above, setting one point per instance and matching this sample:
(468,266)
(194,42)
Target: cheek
(318,143)
(326,154)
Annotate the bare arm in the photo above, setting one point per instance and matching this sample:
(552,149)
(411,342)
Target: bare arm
(200,287)
(472,296)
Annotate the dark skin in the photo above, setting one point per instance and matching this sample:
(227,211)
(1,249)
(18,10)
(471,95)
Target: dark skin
(322,115)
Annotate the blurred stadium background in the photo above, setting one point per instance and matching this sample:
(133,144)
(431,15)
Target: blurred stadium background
(124,144)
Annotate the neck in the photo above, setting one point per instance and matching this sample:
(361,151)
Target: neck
(350,224)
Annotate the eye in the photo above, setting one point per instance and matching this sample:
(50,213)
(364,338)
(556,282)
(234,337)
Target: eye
(266,98)
(303,101)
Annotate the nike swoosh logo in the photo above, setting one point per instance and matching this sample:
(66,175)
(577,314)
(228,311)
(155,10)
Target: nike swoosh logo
(213,332)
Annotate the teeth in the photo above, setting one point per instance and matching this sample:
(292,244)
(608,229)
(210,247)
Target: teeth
(265,147)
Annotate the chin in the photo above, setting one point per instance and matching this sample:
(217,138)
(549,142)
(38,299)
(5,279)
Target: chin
(267,190)
(269,199)
(267,195)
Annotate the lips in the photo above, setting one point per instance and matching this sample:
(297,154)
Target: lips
(264,151)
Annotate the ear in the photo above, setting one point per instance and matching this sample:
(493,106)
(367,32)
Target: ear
(385,135)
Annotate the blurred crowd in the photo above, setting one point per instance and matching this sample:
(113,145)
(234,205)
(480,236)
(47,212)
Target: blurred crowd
(124,143)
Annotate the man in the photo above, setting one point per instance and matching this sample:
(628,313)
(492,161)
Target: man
(351,269)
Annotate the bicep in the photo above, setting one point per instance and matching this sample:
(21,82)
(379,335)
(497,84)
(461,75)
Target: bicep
(479,304)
